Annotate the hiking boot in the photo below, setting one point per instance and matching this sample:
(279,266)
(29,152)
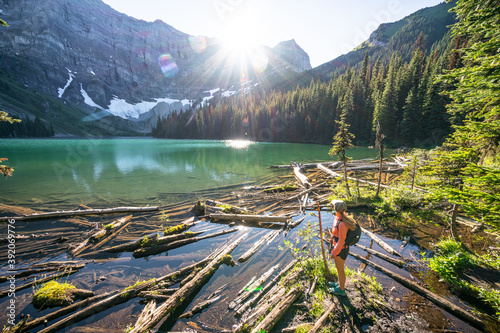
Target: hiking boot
(337,291)
(332,284)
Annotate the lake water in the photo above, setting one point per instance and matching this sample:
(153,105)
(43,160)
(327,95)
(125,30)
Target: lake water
(136,171)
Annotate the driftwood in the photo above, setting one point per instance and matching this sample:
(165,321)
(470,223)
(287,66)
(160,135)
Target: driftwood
(270,299)
(113,230)
(61,312)
(155,316)
(253,287)
(42,280)
(184,225)
(308,165)
(249,218)
(393,261)
(380,242)
(335,174)
(296,223)
(118,298)
(434,298)
(305,192)
(313,286)
(47,215)
(100,234)
(157,293)
(278,311)
(323,317)
(37,271)
(151,240)
(199,307)
(270,235)
(233,209)
(146,251)
(299,175)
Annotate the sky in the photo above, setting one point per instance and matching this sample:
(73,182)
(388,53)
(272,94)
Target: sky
(325,29)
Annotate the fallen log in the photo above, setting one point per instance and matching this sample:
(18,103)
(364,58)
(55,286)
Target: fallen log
(299,175)
(393,261)
(278,311)
(268,301)
(42,280)
(308,165)
(249,218)
(199,307)
(118,298)
(335,174)
(434,298)
(296,223)
(149,321)
(143,252)
(323,317)
(61,312)
(259,293)
(113,230)
(252,288)
(313,286)
(305,192)
(230,209)
(380,242)
(247,255)
(106,230)
(147,241)
(47,215)
(157,292)
(184,225)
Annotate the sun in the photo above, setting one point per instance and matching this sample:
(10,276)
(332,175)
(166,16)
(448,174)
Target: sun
(240,40)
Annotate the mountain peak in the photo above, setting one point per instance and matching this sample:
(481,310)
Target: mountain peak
(297,59)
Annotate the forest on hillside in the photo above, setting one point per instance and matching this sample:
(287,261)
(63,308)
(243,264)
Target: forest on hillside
(404,97)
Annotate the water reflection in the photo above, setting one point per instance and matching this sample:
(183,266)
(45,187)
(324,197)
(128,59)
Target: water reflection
(134,169)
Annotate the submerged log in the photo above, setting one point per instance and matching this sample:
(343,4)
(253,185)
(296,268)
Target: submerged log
(434,298)
(199,307)
(264,290)
(380,242)
(114,229)
(149,321)
(249,218)
(253,287)
(107,229)
(393,261)
(148,241)
(270,299)
(184,225)
(231,209)
(278,311)
(305,192)
(42,280)
(118,298)
(47,215)
(143,252)
(64,311)
(247,255)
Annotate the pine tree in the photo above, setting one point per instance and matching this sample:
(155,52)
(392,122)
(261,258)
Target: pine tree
(341,142)
(465,179)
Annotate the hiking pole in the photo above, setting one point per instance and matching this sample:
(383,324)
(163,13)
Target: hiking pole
(328,274)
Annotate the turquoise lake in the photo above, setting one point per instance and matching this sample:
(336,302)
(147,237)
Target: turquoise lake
(136,171)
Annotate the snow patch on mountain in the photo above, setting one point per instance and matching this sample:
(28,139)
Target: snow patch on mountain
(88,100)
(60,91)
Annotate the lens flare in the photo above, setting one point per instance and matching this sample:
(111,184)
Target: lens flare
(198,43)
(167,65)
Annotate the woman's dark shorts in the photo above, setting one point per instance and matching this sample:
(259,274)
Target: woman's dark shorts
(343,254)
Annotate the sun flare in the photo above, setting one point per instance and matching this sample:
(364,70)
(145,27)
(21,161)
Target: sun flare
(240,40)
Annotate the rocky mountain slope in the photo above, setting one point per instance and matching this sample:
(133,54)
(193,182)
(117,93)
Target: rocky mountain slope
(105,63)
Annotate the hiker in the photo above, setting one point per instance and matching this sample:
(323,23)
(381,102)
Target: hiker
(341,224)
